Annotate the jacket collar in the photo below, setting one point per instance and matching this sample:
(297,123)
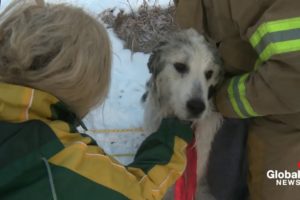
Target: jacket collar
(20,103)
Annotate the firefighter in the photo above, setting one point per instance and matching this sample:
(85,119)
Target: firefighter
(259,43)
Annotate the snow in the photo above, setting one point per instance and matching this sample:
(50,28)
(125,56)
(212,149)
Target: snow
(122,109)
(96,6)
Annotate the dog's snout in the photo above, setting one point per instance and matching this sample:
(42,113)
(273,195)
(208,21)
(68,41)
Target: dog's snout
(195,106)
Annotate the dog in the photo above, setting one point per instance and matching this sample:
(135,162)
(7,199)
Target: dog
(185,70)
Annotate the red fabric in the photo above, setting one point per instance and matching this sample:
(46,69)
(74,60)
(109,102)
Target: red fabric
(185,187)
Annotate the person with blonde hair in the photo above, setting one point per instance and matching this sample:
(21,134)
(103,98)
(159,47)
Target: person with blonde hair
(55,66)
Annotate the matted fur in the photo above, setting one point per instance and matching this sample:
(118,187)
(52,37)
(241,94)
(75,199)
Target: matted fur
(170,89)
(56,48)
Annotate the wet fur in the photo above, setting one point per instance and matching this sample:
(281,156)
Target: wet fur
(168,90)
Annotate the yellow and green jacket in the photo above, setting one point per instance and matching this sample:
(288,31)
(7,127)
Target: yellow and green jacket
(42,156)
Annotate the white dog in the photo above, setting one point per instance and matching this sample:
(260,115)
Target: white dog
(185,71)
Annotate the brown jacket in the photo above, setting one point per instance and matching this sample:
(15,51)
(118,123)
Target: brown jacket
(272,89)
(259,42)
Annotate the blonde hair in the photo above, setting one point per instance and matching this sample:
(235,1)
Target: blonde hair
(56,48)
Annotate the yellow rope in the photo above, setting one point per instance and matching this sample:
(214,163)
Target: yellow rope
(123,155)
(130,130)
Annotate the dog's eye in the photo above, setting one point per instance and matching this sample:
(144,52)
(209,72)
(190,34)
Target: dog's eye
(181,68)
(208,74)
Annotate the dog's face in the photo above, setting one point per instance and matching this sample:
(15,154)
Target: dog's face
(185,72)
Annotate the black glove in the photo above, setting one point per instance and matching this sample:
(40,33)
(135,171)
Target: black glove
(177,127)
(227,167)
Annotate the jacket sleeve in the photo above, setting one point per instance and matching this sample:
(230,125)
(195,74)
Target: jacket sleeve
(189,14)
(159,162)
(273,87)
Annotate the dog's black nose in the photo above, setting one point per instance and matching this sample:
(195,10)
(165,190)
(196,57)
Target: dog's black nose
(195,106)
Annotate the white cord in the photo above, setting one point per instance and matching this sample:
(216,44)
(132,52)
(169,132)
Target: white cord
(50,178)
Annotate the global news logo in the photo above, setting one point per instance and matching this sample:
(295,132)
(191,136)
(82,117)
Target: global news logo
(285,178)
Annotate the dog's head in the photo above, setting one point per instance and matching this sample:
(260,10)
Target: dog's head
(185,72)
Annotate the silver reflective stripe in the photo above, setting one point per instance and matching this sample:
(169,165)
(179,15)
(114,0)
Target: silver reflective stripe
(274,37)
(237,97)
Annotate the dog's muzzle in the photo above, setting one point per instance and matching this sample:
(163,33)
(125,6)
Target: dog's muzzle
(195,106)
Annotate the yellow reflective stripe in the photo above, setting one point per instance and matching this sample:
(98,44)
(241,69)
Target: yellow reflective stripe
(258,63)
(276,37)
(243,98)
(233,100)
(238,98)
(274,26)
(279,48)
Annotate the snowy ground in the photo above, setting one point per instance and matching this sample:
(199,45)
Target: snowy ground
(122,110)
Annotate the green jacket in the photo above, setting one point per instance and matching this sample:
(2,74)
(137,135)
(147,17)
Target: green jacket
(42,156)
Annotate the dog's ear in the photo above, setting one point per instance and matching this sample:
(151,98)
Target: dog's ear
(154,62)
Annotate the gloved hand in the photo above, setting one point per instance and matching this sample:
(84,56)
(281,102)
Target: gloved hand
(227,166)
(159,147)
(176,127)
